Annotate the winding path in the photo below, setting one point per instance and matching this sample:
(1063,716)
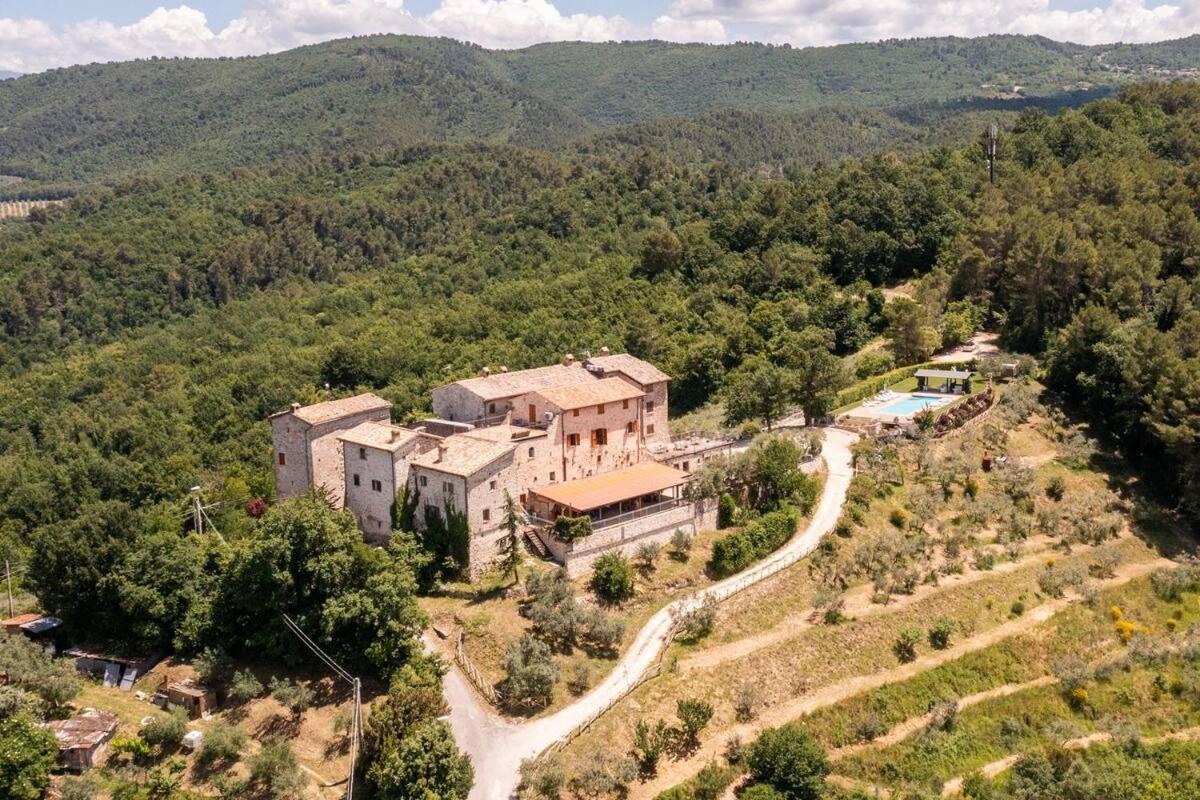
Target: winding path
(497,746)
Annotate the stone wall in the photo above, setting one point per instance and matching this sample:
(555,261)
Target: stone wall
(583,460)
(313,454)
(625,538)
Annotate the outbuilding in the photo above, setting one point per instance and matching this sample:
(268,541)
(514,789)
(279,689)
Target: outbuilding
(83,739)
(197,700)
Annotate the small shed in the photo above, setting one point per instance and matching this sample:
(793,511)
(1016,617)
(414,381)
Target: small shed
(197,700)
(83,739)
(38,628)
(112,670)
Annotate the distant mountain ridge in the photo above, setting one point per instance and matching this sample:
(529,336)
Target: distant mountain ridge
(5,74)
(93,122)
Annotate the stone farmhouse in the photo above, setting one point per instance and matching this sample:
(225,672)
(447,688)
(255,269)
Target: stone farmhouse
(578,438)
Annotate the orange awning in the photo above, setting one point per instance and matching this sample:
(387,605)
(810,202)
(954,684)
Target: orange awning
(586,494)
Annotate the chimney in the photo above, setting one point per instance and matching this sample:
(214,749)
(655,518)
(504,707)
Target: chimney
(485,371)
(568,360)
(604,351)
(395,434)
(503,369)
(442,448)
(295,407)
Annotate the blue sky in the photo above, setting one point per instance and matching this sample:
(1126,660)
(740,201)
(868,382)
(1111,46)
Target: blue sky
(36,36)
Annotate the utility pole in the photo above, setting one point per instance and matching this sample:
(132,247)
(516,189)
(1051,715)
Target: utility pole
(8,578)
(989,151)
(197,511)
(356,685)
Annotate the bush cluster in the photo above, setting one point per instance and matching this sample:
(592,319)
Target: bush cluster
(736,551)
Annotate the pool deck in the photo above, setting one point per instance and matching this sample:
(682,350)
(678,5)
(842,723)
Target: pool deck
(880,412)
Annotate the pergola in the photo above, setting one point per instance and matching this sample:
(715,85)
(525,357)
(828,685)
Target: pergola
(951,378)
(610,495)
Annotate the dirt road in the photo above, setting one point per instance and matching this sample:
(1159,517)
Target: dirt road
(498,746)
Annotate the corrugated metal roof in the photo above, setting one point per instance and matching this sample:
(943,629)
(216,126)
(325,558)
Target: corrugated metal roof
(84,731)
(586,494)
(604,390)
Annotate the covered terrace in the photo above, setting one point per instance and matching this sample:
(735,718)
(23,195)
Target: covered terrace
(612,498)
(953,381)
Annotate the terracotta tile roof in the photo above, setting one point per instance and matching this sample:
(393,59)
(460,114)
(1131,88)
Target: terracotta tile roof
(330,410)
(641,371)
(506,433)
(605,390)
(20,619)
(499,385)
(382,436)
(586,494)
(463,455)
(84,731)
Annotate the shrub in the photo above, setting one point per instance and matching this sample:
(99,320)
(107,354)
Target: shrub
(1017,608)
(649,744)
(746,701)
(580,679)
(1056,488)
(875,363)
(726,510)
(542,778)
(295,696)
(244,687)
(165,732)
(762,791)
(531,673)
(681,545)
(698,622)
(899,518)
(647,555)
(943,715)
(940,633)
(736,551)
(572,529)
(222,744)
(274,768)
(693,715)
(905,646)
(81,788)
(612,578)
(1170,583)
(790,760)
(870,727)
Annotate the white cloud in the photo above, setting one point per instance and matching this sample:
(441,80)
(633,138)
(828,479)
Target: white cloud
(694,29)
(810,22)
(30,45)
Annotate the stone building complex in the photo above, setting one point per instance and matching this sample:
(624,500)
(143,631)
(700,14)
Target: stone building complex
(579,438)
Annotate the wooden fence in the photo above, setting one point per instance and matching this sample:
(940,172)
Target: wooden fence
(473,674)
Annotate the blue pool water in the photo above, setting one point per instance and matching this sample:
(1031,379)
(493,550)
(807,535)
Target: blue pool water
(907,406)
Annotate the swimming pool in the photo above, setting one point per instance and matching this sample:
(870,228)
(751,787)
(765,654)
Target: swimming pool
(911,404)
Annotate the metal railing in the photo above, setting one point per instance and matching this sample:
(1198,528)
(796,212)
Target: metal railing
(620,519)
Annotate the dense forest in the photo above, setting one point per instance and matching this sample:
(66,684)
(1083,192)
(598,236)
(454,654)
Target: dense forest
(149,328)
(176,116)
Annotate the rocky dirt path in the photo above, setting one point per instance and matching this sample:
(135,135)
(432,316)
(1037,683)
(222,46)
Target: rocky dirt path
(674,772)
(498,746)
(953,787)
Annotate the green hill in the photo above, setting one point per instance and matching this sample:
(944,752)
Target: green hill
(177,115)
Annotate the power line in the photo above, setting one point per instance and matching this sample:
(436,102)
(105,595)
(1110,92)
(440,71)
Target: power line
(356,685)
